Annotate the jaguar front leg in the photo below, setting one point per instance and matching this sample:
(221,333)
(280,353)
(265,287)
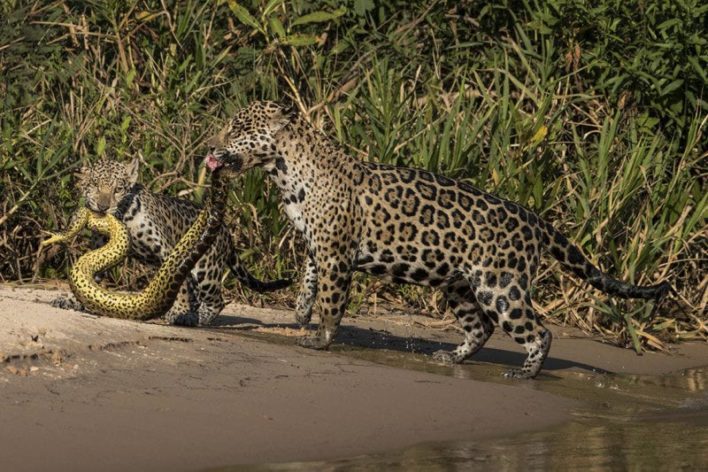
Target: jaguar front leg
(67,303)
(334,275)
(308,293)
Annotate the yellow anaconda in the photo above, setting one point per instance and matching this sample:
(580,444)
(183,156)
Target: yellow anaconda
(155,299)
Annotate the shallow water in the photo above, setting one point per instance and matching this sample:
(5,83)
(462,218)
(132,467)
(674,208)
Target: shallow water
(630,422)
(586,443)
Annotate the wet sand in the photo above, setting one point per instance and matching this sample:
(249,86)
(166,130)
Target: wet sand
(83,393)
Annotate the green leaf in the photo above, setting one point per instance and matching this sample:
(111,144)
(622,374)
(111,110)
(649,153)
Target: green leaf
(697,67)
(361,7)
(672,86)
(244,16)
(125,124)
(297,40)
(341,46)
(277,27)
(130,77)
(540,27)
(270,8)
(669,23)
(319,16)
(101,146)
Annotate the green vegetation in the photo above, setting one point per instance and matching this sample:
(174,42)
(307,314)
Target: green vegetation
(593,113)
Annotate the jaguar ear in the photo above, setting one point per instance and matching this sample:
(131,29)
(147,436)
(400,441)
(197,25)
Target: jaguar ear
(281,118)
(83,172)
(133,170)
(219,139)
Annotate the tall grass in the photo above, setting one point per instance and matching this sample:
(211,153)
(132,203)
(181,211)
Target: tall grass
(591,113)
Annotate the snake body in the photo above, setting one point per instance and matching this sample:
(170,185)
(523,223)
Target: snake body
(159,295)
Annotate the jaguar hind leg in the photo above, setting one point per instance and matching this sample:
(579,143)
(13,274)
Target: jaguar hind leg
(537,351)
(476,325)
(507,300)
(184,310)
(210,301)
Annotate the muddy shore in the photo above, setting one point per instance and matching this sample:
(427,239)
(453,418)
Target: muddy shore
(80,392)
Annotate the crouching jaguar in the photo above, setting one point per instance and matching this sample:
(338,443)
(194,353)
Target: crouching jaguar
(155,223)
(408,225)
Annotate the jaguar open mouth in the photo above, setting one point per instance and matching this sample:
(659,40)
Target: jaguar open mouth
(226,160)
(212,162)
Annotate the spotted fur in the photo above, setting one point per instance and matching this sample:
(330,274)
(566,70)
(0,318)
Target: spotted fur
(410,226)
(155,223)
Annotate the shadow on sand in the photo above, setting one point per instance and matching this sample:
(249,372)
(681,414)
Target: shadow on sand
(370,338)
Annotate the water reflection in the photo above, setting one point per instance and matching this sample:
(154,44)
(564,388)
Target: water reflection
(691,380)
(587,444)
(632,422)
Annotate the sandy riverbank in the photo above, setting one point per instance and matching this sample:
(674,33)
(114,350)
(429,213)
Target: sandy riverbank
(85,393)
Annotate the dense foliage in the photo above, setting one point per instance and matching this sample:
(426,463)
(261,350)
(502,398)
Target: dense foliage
(590,112)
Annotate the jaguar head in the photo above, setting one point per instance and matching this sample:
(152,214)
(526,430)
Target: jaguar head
(248,140)
(105,183)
